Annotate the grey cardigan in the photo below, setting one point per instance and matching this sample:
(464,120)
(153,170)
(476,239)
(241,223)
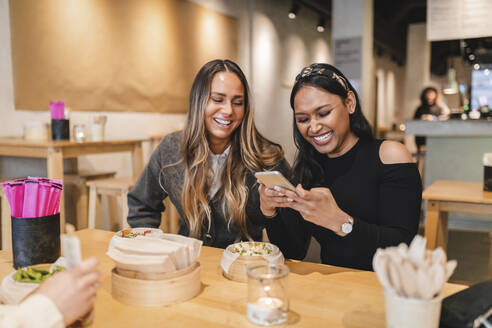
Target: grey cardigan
(145,199)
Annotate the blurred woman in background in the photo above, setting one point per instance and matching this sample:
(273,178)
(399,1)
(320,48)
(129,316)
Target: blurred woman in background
(429,110)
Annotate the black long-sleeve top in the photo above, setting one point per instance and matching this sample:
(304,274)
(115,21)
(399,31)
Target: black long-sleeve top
(145,200)
(383,199)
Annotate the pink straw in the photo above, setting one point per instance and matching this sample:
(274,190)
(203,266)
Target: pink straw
(55,199)
(16,200)
(29,209)
(43,199)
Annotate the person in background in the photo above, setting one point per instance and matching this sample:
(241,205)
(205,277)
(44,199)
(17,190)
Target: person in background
(208,169)
(58,302)
(429,110)
(354,194)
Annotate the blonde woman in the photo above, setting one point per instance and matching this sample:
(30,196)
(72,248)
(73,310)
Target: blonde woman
(208,169)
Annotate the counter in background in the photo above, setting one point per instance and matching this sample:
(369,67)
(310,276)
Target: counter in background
(454,152)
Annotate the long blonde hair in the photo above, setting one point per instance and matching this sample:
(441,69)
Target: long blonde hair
(250,152)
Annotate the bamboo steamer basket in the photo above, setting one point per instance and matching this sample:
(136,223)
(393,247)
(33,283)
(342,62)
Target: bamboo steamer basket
(237,271)
(155,289)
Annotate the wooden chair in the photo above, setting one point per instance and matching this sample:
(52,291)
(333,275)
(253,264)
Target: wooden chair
(80,192)
(118,187)
(170,217)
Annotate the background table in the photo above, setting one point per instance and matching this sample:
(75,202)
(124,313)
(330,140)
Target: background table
(320,295)
(453,196)
(55,151)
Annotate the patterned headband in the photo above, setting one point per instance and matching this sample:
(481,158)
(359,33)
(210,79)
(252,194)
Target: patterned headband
(310,71)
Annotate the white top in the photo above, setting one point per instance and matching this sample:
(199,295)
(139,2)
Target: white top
(217,162)
(487,159)
(36,311)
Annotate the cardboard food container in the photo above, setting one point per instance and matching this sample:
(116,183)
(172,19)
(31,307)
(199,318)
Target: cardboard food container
(234,264)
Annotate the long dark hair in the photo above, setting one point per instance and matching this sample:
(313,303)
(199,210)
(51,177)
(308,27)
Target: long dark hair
(308,168)
(423,98)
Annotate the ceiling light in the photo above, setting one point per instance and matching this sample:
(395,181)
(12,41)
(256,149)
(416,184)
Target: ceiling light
(294,10)
(471,57)
(321,24)
(476,66)
(452,85)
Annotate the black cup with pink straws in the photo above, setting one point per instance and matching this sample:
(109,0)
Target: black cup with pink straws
(35,210)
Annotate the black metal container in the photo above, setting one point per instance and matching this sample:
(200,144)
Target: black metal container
(35,240)
(487,178)
(60,129)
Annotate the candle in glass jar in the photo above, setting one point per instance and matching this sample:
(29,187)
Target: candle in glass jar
(266,311)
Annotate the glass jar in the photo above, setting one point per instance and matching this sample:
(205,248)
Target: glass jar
(79,132)
(268,301)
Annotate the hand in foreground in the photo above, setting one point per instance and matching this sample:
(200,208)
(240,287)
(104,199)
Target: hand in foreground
(73,291)
(270,199)
(317,206)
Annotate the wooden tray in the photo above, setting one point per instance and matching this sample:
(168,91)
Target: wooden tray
(155,289)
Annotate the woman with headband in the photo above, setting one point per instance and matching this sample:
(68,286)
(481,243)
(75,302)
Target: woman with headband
(207,169)
(354,194)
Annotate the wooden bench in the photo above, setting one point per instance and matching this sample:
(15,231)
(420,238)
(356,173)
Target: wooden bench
(453,196)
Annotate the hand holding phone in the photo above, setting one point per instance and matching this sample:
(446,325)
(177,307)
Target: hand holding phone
(274,178)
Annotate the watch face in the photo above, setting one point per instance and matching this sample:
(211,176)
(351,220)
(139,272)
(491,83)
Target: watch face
(346,228)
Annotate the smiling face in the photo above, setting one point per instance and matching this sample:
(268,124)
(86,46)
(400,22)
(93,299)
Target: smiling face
(322,118)
(224,110)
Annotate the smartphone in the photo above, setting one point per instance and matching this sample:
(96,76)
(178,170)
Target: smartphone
(274,178)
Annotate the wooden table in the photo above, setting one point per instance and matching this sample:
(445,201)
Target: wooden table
(453,196)
(56,151)
(320,295)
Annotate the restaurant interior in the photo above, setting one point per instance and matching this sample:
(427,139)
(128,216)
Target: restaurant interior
(89,88)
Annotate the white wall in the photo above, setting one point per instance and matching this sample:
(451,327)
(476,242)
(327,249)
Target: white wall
(390,90)
(417,74)
(281,48)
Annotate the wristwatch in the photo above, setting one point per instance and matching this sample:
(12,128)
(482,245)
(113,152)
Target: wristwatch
(347,226)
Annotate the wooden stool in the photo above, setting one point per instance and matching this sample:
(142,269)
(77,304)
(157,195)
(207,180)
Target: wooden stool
(81,192)
(5,220)
(118,187)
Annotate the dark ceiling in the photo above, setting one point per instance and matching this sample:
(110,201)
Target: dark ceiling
(391,21)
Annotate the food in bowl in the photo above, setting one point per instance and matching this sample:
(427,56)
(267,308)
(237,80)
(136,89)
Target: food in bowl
(132,233)
(35,275)
(252,248)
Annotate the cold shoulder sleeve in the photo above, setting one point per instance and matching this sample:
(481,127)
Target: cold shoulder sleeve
(400,197)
